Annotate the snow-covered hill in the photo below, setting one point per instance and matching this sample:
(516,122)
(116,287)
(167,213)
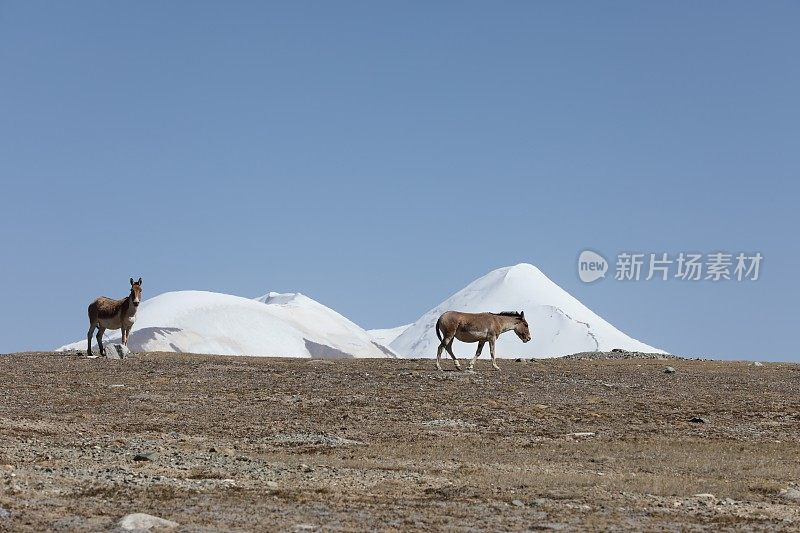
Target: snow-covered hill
(315,320)
(386,336)
(559,323)
(294,325)
(275,324)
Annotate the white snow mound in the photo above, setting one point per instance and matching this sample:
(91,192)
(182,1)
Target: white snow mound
(386,336)
(559,323)
(286,325)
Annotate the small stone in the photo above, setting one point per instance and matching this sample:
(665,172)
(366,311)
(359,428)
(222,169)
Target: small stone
(4,513)
(758,363)
(669,370)
(698,420)
(792,493)
(705,496)
(142,521)
(117,351)
(271,485)
(145,456)
(517,503)
(580,434)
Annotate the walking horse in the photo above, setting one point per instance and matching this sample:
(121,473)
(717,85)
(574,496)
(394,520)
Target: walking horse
(480,328)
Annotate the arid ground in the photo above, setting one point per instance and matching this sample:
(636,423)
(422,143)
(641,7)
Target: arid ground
(261,444)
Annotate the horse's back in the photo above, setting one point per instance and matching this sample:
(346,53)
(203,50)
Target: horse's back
(101,301)
(466,327)
(103,307)
(450,317)
(461,316)
(452,320)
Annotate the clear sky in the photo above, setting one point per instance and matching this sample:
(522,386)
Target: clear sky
(379,156)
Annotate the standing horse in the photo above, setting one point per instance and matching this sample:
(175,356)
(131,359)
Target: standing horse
(477,327)
(105,313)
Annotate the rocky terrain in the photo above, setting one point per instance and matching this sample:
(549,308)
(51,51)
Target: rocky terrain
(210,443)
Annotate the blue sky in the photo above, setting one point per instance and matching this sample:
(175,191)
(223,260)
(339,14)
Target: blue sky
(379,156)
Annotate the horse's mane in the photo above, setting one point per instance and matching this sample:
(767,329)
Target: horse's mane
(509,313)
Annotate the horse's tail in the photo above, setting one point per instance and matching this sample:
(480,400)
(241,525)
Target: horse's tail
(438,333)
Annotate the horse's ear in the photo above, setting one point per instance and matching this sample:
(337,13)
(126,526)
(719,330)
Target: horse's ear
(131,282)
(140,281)
(522,314)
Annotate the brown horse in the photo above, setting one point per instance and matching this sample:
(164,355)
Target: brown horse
(105,313)
(477,327)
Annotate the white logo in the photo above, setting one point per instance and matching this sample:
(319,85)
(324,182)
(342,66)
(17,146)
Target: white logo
(591,266)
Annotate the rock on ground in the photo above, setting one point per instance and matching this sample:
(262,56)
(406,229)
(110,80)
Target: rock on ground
(144,522)
(117,351)
(792,493)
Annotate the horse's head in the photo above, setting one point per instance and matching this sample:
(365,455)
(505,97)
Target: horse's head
(521,329)
(136,292)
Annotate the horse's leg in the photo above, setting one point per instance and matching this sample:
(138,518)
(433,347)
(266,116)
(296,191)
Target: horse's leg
(125,333)
(100,332)
(89,340)
(439,355)
(491,347)
(450,351)
(477,354)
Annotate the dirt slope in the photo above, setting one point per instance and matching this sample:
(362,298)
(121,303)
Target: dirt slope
(248,444)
